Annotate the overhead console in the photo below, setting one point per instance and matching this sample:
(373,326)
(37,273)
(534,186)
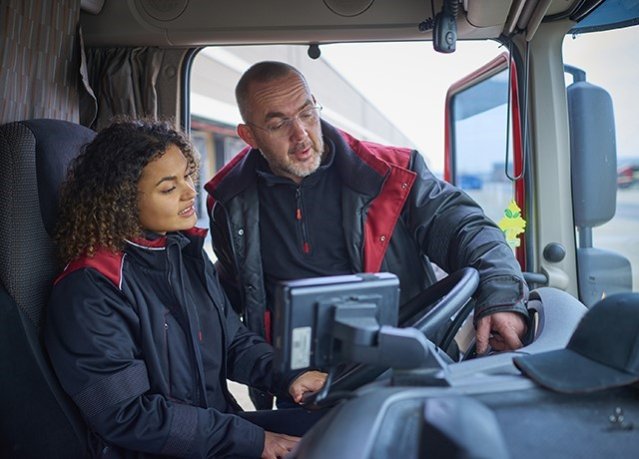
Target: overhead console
(181,23)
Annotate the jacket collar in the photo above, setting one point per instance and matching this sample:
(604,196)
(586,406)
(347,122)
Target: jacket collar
(151,241)
(360,170)
(144,249)
(237,175)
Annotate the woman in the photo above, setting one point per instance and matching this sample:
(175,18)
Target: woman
(138,329)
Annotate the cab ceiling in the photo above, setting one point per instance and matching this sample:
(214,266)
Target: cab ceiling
(187,23)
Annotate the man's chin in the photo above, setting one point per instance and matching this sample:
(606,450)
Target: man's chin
(302,172)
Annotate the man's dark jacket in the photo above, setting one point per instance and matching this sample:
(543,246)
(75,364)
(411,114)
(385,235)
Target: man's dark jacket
(144,340)
(397,217)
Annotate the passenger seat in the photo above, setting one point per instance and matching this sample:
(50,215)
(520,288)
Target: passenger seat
(38,420)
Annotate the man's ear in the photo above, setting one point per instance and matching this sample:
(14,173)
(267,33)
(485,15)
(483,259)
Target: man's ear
(246,134)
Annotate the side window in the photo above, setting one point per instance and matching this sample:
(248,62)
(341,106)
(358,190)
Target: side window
(483,150)
(201,142)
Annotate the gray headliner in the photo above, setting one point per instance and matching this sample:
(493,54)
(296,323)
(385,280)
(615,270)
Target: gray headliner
(287,21)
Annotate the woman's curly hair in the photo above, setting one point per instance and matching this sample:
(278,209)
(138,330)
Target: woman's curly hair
(98,206)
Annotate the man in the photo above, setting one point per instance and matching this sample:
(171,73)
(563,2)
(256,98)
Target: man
(306,199)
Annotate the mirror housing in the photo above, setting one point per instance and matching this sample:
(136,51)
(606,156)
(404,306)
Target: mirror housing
(593,154)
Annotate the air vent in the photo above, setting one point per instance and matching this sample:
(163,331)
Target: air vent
(163,10)
(348,8)
(91,6)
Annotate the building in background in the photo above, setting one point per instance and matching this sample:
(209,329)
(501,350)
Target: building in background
(214,114)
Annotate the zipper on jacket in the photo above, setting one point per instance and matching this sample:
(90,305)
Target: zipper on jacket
(231,238)
(181,306)
(166,352)
(299,216)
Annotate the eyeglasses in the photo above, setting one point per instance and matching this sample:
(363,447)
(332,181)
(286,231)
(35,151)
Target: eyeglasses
(280,127)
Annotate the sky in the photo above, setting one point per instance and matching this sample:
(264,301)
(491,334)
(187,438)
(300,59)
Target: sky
(416,102)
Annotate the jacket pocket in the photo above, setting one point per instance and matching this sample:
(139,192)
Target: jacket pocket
(177,361)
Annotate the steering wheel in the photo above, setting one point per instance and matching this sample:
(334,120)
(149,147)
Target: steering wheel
(432,309)
(430,312)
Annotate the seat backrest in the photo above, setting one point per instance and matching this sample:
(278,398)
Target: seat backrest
(38,420)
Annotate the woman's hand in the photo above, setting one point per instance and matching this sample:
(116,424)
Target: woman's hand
(277,445)
(310,381)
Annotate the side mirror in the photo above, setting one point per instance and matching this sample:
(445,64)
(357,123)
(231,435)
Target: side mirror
(593,154)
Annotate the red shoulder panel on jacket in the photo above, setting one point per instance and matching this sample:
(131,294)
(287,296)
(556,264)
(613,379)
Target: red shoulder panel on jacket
(383,213)
(371,153)
(386,207)
(107,263)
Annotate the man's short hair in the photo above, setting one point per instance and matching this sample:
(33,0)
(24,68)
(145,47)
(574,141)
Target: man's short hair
(262,72)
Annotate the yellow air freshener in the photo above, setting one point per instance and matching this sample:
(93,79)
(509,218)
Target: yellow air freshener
(512,224)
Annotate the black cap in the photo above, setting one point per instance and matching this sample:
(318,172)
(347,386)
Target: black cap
(603,351)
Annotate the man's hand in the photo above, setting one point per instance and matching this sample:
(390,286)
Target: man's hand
(277,445)
(502,330)
(310,381)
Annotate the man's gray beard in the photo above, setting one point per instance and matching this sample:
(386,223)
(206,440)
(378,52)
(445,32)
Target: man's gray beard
(302,171)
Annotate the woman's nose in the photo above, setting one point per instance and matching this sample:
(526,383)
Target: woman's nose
(189,191)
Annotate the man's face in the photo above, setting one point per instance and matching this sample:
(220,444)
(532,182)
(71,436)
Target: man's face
(284,125)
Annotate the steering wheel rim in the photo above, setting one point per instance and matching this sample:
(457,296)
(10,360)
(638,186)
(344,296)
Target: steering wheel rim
(444,298)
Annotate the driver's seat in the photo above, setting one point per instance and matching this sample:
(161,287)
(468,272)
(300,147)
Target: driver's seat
(38,420)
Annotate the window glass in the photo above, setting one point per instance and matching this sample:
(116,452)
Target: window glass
(480,138)
(382,92)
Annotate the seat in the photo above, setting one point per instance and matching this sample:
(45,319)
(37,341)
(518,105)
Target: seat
(38,419)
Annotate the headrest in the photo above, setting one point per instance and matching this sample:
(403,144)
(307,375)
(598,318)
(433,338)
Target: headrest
(56,143)
(34,157)
(603,351)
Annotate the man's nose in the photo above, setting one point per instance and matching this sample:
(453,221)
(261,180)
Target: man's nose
(298,129)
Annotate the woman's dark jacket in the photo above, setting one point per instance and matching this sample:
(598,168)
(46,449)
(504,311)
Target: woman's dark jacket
(397,217)
(144,340)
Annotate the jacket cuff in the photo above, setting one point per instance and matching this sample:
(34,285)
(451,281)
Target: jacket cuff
(282,382)
(181,432)
(252,443)
(501,294)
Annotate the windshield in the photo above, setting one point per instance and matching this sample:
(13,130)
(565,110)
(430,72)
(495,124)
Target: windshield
(395,93)
(383,92)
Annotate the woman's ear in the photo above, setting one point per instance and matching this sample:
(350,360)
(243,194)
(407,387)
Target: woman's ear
(246,134)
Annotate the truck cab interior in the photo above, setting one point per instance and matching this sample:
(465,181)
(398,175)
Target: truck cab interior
(68,66)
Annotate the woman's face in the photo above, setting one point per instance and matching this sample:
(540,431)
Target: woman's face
(166,194)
